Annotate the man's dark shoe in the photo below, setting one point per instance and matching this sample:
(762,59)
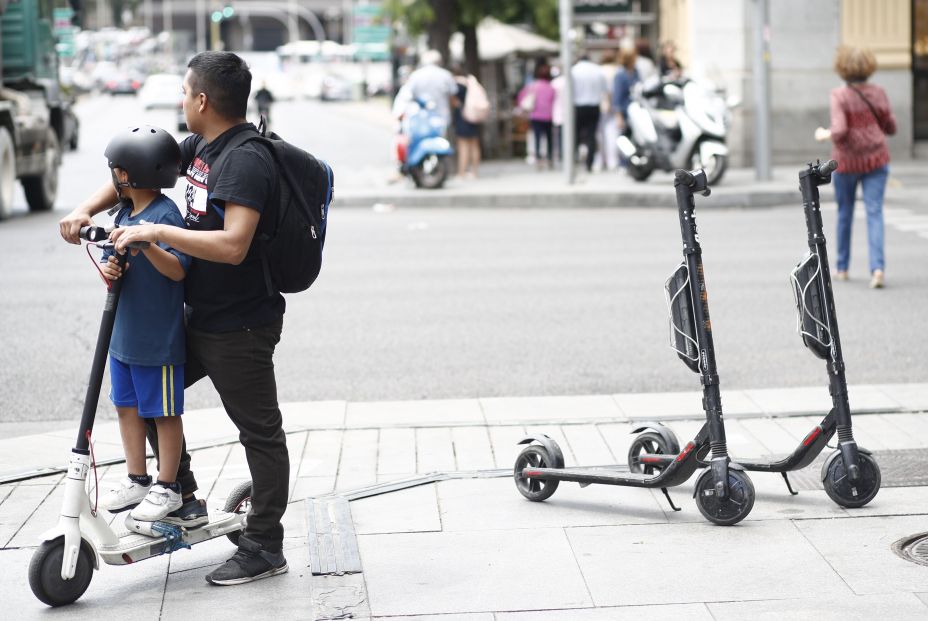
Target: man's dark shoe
(251,562)
(190,515)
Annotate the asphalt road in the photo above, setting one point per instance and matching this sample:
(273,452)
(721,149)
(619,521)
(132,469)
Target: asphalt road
(428,303)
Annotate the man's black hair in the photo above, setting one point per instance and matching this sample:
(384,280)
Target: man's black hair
(225,79)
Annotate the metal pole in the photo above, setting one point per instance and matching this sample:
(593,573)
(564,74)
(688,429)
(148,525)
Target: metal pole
(567,93)
(761,91)
(201,25)
(293,22)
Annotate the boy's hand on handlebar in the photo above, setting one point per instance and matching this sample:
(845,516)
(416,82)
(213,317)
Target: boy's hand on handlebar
(110,269)
(134,237)
(70,226)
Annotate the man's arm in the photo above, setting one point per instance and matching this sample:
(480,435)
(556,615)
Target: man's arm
(230,245)
(101,200)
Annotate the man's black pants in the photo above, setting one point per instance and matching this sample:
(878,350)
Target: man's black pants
(587,124)
(241,366)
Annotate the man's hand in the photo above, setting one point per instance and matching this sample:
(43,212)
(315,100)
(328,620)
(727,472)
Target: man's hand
(70,225)
(123,236)
(110,269)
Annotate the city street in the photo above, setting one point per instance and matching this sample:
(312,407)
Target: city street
(441,303)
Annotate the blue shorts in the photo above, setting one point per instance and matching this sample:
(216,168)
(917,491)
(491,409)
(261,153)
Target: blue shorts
(155,391)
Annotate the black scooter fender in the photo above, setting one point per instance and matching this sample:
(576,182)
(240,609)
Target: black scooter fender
(836,454)
(670,439)
(550,445)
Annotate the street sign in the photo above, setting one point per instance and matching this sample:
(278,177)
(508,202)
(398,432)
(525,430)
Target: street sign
(63,30)
(370,32)
(602,6)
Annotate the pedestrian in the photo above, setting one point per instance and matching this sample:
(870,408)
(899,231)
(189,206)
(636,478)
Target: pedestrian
(537,98)
(263,99)
(466,132)
(589,90)
(147,345)
(625,80)
(557,110)
(644,63)
(668,64)
(608,129)
(432,83)
(861,118)
(233,323)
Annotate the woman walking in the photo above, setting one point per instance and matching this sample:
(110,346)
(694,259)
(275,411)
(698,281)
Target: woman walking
(861,118)
(537,98)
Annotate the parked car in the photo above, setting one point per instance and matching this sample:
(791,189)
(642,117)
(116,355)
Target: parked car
(335,88)
(162,90)
(123,83)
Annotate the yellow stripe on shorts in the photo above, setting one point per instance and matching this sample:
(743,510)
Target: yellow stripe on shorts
(164,389)
(172,391)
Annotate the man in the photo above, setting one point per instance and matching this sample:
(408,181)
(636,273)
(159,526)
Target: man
(430,82)
(233,325)
(589,90)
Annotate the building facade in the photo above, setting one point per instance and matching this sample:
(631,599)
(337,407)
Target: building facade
(716,42)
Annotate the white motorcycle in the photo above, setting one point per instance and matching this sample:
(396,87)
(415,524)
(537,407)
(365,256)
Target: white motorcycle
(676,125)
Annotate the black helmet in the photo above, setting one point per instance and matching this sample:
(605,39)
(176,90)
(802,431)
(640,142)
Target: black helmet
(148,154)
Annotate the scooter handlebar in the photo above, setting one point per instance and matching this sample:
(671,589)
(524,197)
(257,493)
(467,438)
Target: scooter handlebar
(827,168)
(695,180)
(93,233)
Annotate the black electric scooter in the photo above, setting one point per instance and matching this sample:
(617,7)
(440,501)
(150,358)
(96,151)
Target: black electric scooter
(62,566)
(850,475)
(724,493)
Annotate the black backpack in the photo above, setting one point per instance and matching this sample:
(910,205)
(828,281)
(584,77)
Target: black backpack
(292,234)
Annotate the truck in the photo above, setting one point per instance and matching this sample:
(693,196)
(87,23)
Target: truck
(35,118)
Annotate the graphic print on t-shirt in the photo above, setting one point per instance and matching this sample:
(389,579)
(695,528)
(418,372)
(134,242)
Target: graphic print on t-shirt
(196,194)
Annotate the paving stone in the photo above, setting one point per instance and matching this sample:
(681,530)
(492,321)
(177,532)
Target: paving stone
(845,608)
(396,451)
(557,434)
(339,597)
(44,517)
(495,504)
(508,410)
(477,616)
(910,396)
(628,565)
(588,445)
(434,573)
(18,506)
(660,406)
(314,414)
(505,444)
(321,455)
(876,428)
(434,450)
(913,426)
(358,463)
(312,486)
(771,436)
(859,551)
(791,401)
(472,449)
(411,510)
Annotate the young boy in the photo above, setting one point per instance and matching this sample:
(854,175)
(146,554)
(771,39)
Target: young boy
(147,348)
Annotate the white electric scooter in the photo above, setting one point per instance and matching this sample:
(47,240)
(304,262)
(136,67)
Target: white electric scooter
(62,566)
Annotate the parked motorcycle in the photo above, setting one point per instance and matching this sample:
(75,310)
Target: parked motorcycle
(678,124)
(423,149)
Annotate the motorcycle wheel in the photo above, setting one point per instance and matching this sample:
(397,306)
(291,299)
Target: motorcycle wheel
(639,173)
(431,172)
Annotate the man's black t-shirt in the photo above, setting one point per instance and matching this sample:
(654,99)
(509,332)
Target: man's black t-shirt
(222,297)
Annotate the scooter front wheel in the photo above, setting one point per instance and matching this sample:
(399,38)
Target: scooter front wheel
(239,501)
(45,573)
(533,488)
(733,509)
(431,172)
(840,488)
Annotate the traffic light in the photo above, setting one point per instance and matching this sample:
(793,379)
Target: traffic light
(228,12)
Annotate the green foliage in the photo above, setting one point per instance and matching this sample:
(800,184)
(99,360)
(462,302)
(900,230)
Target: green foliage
(418,15)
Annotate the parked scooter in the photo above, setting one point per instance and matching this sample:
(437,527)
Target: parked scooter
(423,149)
(850,475)
(62,566)
(724,493)
(679,124)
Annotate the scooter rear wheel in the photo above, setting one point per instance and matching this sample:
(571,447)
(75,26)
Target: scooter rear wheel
(45,573)
(535,489)
(646,443)
(733,509)
(431,172)
(239,501)
(840,489)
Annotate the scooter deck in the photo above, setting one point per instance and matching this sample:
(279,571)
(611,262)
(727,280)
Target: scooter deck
(134,546)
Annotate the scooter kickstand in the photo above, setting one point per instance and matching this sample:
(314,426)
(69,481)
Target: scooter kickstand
(788,486)
(667,494)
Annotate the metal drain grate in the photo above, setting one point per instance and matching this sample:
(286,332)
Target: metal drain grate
(898,468)
(913,548)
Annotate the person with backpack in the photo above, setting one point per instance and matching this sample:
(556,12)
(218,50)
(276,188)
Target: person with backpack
(234,306)
(467,119)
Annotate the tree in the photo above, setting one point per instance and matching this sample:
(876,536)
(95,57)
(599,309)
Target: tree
(439,19)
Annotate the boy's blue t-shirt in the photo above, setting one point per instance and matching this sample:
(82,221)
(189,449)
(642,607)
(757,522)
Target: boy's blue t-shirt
(149,326)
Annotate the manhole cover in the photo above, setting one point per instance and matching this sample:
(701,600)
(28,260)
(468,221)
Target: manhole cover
(913,548)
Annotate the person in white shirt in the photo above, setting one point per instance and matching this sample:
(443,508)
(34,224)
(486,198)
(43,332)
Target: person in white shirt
(430,82)
(589,90)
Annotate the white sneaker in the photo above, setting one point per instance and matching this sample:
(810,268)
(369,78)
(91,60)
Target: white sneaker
(158,503)
(128,494)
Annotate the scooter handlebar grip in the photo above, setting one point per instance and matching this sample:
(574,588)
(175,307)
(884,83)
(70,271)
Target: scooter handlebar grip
(682,176)
(827,168)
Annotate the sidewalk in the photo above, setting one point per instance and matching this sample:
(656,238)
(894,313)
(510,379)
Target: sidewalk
(440,530)
(514,183)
